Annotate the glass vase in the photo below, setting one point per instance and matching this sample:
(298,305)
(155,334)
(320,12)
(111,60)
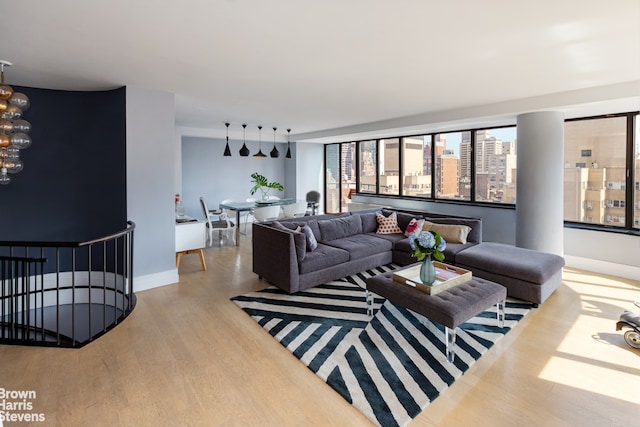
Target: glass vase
(427,271)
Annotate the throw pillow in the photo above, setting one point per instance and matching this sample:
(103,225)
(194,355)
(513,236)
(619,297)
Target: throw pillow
(415,226)
(299,239)
(312,243)
(449,232)
(388,225)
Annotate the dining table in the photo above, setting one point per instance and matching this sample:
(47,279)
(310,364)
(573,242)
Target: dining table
(240,207)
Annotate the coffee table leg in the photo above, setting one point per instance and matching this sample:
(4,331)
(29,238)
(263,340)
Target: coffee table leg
(369,300)
(450,342)
(500,313)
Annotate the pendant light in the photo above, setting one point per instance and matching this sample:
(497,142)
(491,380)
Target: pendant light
(259,154)
(244,151)
(274,153)
(288,156)
(227,151)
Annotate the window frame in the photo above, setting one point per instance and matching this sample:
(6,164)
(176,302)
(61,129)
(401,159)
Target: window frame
(630,181)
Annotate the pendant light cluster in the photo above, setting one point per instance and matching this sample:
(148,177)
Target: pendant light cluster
(244,151)
(13,129)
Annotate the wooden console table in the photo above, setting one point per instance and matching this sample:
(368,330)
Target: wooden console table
(190,239)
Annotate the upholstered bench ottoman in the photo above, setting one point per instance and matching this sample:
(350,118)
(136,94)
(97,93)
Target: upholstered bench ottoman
(450,308)
(528,275)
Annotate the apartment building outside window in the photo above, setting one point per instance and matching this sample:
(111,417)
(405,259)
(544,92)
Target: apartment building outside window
(496,164)
(389,166)
(417,167)
(595,172)
(367,158)
(449,182)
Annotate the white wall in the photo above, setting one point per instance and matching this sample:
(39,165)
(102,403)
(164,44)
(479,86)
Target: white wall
(150,185)
(309,170)
(207,173)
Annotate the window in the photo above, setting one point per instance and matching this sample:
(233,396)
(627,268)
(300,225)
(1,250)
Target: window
(348,181)
(496,163)
(636,160)
(601,169)
(367,158)
(416,166)
(450,184)
(604,174)
(389,166)
(340,177)
(332,178)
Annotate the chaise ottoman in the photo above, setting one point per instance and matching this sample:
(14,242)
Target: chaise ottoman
(527,274)
(450,308)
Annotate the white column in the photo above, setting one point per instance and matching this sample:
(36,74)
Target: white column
(540,181)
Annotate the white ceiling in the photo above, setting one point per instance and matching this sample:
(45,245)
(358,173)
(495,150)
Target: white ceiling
(334,69)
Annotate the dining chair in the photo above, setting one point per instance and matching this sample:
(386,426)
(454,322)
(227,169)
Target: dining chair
(249,214)
(295,210)
(224,226)
(266,213)
(313,201)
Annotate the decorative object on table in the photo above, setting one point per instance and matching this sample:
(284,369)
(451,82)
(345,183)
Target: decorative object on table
(179,206)
(288,156)
(227,151)
(259,154)
(274,153)
(424,245)
(244,151)
(13,129)
(326,336)
(447,276)
(262,183)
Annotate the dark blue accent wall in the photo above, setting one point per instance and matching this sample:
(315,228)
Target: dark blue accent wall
(73,185)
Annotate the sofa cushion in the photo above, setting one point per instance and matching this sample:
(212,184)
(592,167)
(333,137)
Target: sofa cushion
(474,236)
(299,239)
(403,218)
(337,228)
(450,252)
(310,241)
(451,233)
(323,257)
(415,226)
(388,225)
(361,245)
(369,222)
(312,223)
(511,261)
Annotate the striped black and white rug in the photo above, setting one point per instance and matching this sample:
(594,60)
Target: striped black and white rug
(391,366)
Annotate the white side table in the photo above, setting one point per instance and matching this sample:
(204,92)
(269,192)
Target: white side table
(190,239)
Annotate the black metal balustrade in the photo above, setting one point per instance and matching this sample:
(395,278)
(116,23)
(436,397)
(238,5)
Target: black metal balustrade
(65,294)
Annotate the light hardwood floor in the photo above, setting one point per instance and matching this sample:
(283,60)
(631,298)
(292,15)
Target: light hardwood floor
(187,356)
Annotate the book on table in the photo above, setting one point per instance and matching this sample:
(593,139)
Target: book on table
(447,276)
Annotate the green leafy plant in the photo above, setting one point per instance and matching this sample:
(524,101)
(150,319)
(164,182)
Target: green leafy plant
(260,182)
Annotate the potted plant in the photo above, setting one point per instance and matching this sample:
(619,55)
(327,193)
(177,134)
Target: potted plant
(262,183)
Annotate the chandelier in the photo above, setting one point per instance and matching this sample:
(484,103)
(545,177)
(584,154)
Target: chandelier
(13,129)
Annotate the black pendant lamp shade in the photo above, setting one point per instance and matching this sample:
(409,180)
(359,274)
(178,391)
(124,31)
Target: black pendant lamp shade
(244,151)
(274,153)
(288,156)
(259,154)
(227,151)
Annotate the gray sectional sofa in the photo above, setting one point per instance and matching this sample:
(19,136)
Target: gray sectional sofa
(299,253)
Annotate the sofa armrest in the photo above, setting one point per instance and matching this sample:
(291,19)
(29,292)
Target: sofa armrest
(274,257)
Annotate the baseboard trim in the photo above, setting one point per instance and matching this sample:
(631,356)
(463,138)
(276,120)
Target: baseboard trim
(603,267)
(155,280)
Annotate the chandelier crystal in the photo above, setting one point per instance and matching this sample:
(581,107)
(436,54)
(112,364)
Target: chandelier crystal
(14,129)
